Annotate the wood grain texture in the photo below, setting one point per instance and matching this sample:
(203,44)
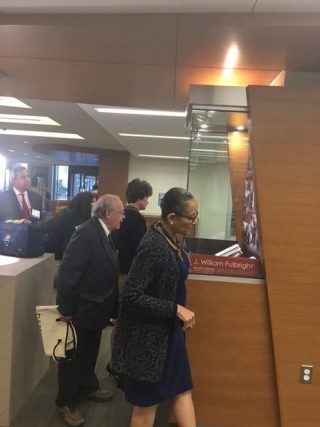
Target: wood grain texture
(285,153)
(231,355)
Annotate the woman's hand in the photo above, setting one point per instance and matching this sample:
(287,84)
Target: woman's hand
(187,316)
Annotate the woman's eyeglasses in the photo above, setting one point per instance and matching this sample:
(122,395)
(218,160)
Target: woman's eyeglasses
(191,218)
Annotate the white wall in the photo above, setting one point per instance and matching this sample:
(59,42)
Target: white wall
(162,174)
(210,184)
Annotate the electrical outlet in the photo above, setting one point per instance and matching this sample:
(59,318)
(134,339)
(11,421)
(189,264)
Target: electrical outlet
(306,373)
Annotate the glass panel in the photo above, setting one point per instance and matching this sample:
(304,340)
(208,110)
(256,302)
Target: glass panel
(61,173)
(209,170)
(90,181)
(3,163)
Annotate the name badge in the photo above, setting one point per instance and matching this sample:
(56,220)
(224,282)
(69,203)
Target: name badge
(35,213)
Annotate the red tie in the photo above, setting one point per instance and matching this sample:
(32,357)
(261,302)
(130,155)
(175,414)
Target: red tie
(25,209)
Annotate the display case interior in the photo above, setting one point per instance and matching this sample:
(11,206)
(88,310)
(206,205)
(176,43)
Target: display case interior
(220,176)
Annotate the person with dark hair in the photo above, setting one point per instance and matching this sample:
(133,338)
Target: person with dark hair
(149,353)
(19,201)
(59,229)
(87,293)
(133,227)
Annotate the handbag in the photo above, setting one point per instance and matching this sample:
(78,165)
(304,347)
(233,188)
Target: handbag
(21,240)
(59,338)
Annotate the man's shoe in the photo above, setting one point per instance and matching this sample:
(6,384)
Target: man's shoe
(100,395)
(71,417)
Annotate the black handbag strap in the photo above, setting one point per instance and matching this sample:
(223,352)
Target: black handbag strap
(69,353)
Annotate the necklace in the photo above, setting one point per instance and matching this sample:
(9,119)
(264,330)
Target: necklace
(160,228)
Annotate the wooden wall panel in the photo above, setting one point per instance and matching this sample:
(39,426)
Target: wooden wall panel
(285,153)
(113,173)
(231,356)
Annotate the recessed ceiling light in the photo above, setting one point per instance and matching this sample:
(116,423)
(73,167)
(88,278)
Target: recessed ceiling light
(41,134)
(38,157)
(8,101)
(32,120)
(138,135)
(231,60)
(26,142)
(11,150)
(163,157)
(240,128)
(143,112)
(204,126)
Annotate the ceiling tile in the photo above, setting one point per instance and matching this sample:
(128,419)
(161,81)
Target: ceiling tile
(94,83)
(135,39)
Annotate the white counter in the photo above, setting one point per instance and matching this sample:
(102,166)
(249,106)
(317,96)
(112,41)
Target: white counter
(23,285)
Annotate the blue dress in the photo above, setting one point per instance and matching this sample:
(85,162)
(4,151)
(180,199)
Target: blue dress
(177,376)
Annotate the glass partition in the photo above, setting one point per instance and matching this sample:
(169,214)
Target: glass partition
(211,169)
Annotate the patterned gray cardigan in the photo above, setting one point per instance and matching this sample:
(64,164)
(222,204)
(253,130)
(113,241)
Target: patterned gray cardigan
(147,310)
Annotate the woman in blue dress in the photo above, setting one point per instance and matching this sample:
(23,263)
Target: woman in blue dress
(149,349)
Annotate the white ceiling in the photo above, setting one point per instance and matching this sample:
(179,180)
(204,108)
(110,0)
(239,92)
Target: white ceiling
(159,6)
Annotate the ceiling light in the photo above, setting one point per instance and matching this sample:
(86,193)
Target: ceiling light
(26,154)
(115,110)
(32,120)
(138,135)
(11,150)
(163,157)
(231,60)
(204,126)
(26,142)
(240,128)
(8,101)
(41,134)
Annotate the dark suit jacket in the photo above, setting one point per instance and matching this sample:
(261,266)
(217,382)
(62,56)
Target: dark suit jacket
(10,207)
(88,278)
(58,231)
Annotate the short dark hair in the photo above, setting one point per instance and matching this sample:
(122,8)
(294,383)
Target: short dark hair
(137,190)
(175,201)
(81,204)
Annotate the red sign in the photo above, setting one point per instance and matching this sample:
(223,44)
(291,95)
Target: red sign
(224,266)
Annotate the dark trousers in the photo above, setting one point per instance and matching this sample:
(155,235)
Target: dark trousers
(76,377)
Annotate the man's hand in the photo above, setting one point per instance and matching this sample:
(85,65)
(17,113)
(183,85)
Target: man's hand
(66,319)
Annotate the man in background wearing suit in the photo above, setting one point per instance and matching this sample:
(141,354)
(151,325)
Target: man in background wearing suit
(20,202)
(88,294)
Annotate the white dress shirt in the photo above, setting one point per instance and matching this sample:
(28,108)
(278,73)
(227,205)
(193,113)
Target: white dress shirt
(19,197)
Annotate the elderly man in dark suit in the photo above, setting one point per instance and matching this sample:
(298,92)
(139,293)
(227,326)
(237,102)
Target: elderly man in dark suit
(88,294)
(20,202)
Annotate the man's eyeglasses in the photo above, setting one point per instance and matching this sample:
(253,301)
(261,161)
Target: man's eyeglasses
(119,212)
(191,218)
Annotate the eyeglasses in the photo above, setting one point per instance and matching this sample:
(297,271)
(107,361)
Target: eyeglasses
(191,218)
(119,212)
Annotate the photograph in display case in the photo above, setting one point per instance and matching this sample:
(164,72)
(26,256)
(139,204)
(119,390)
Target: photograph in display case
(250,225)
